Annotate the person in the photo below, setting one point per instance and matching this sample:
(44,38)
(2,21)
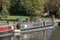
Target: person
(8,22)
(43,23)
(18,25)
(18,20)
(27,20)
(39,19)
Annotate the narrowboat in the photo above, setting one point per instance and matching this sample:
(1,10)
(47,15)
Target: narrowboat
(35,26)
(6,30)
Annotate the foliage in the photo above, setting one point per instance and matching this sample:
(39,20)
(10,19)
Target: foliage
(17,8)
(52,6)
(59,12)
(29,7)
(5,8)
(14,7)
(15,17)
(34,7)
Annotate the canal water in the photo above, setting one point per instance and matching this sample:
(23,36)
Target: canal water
(39,35)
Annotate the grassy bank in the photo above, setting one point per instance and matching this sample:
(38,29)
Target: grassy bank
(15,17)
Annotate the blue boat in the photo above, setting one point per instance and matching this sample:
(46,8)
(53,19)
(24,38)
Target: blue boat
(35,26)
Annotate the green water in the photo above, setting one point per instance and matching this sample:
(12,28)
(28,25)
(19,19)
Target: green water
(53,34)
(40,35)
(56,34)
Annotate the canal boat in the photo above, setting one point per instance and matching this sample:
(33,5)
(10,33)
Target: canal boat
(35,26)
(6,30)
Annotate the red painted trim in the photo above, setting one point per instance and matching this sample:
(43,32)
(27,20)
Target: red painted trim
(1,29)
(9,27)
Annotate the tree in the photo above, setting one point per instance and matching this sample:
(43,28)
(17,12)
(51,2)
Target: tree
(33,7)
(14,7)
(27,7)
(59,12)
(5,8)
(52,6)
(0,5)
(17,8)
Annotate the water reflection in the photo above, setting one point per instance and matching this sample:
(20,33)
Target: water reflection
(30,36)
(40,35)
(7,38)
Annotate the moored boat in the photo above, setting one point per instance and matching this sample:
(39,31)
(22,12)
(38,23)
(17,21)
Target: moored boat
(6,30)
(35,26)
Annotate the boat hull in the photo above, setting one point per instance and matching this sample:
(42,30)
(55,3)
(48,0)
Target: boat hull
(6,33)
(36,29)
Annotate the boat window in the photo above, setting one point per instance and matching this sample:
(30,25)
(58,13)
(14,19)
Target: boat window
(49,23)
(37,24)
(21,26)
